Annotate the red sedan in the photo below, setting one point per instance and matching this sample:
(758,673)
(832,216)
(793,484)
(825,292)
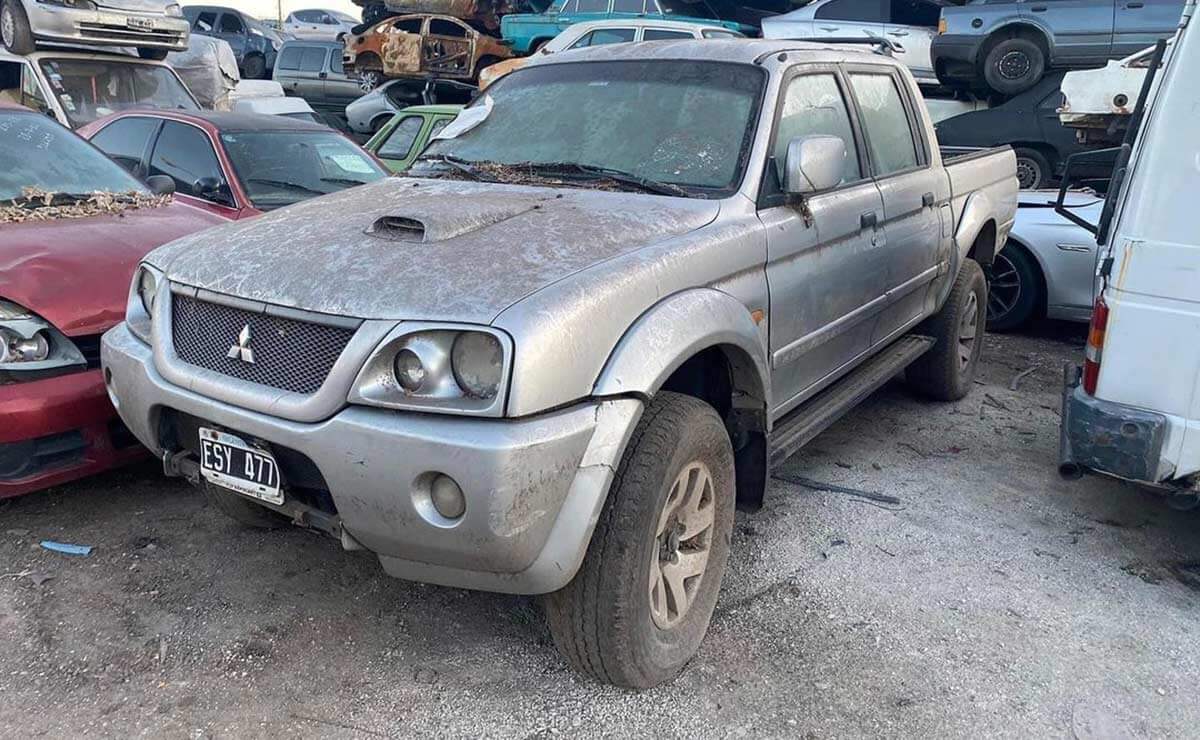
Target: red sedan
(67,255)
(236,165)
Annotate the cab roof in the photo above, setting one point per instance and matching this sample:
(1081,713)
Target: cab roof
(738,51)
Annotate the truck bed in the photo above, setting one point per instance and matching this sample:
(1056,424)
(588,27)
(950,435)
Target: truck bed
(983,173)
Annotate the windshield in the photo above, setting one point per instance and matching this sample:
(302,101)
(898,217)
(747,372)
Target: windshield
(91,88)
(686,124)
(47,157)
(278,168)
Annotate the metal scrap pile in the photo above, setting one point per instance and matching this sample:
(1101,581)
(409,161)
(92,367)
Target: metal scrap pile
(39,205)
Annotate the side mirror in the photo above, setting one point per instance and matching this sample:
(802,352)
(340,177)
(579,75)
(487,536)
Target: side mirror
(814,163)
(210,188)
(160,184)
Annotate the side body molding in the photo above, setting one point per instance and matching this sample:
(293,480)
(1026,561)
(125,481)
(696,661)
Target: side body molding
(678,327)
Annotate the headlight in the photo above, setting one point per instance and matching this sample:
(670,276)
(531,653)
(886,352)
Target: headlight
(139,310)
(30,345)
(424,367)
(174,11)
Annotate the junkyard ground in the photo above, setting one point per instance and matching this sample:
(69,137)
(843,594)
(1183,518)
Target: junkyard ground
(995,599)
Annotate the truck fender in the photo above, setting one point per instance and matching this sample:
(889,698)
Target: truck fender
(675,329)
(976,215)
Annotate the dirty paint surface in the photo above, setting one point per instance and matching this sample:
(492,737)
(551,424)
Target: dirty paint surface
(39,205)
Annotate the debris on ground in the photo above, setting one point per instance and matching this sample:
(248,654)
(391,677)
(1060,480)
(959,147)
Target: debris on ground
(39,205)
(1012,386)
(67,549)
(835,488)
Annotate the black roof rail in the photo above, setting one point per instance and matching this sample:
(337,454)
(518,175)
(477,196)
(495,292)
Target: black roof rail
(885,47)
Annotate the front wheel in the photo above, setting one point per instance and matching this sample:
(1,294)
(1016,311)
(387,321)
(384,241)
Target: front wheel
(640,604)
(1033,169)
(1014,293)
(14,28)
(1014,65)
(946,372)
(156,55)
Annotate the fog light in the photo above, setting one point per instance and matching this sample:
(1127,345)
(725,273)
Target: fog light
(410,372)
(447,497)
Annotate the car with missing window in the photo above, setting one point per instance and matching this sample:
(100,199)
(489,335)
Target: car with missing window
(235,165)
(909,24)
(1007,46)
(254,43)
(599,33)
(372,111)
(528,32)
(319,25)
(67,253)
(420,46)
(399,142)
(552,358)
(153,27)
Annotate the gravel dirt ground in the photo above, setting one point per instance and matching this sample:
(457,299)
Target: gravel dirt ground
(994,599)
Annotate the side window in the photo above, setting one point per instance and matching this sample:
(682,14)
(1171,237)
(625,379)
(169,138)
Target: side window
(408,25)
(313,59)
(661,34)
(813,105)
(915,13)
(124,141)
(400,142)
(591,6)
(289,58)
(602,36)
(628,6)
(301,16)
(205,22)
(712,33)
(31,91)
(892,144)
(864,11)
(185,154)
(439,27)
(230,23)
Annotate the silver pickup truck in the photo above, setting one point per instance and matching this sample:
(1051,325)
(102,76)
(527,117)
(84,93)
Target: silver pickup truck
(616,291)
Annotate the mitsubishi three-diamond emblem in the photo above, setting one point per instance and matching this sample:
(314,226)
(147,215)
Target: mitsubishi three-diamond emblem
(241,348)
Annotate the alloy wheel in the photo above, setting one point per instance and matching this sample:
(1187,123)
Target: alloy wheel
(1005,288)
(368,80)
(8,25)
(968,329)
(1029,174)
(682,544)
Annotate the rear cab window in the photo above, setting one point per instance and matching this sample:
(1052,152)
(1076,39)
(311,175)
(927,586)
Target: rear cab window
(863,11)
(886,122)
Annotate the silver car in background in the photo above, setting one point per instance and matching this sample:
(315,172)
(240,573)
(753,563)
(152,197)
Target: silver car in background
(319,25)
(155,27)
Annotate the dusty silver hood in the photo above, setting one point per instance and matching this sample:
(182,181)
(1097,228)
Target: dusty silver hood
(424,249)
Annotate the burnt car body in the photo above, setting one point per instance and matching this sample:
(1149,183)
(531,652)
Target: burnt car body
(420,45)
(63,282)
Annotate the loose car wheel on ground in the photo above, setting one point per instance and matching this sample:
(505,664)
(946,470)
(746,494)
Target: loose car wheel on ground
(242,509)
(1014,292)
(947,371)
(14,28)
(1033,169)
(1014,65)
(641,602)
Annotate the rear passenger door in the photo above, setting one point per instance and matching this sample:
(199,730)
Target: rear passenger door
(310,76)
(912,192)
(850,18)
(823,257)
(1139,23)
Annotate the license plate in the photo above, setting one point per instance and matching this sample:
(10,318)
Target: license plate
(144,24)
(231,462)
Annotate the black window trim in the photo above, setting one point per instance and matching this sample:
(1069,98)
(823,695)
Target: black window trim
(768,199)
(147,148)
(237,205)
(915,125)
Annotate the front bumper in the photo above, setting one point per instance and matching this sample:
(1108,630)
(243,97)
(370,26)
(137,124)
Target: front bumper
(534,487)
(107,27)
(1110,438)
(955,56)
(57,430)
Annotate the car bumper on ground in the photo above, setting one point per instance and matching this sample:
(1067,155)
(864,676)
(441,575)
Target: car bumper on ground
(1110,438)
(955,56)
(108,27)
(533,487)
(57,430)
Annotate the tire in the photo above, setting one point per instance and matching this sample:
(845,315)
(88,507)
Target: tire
(156,55)
(1014,65)
(15,32)
(1033,168)
(946,372)
(1015,291)
(369,78)
(372,14)
(612,621)
(254,67)
(243,510)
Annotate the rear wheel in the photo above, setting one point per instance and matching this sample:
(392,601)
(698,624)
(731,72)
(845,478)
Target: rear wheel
(1014,65)
(254,67)
(947,371)
(1014,292)
(15,32)
(369,78)
(640,604)
(154,54)
(1033,168)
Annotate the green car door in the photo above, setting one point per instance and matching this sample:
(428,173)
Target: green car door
(404,137)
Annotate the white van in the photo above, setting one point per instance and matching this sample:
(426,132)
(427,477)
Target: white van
(76,87)
(1133,409)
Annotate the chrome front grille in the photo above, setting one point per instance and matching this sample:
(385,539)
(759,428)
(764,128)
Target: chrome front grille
(284,353)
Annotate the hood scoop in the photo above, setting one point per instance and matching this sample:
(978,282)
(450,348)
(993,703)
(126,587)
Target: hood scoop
(398,229)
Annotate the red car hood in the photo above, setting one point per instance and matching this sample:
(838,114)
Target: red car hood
(75,272)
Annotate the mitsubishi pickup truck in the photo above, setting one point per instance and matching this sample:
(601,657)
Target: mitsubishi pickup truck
(606,300)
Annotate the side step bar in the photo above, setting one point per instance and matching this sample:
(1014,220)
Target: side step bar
(816,415)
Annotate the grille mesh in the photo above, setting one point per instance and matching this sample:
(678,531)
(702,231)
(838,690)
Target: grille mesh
(289,355)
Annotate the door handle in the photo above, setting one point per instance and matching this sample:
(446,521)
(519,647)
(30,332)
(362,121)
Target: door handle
(1038,8)
(869,220)
(831,29)
(1135,6)
(899,34)
(927,200)
(323,75)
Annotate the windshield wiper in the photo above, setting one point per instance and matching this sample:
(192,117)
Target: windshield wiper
(620,176)
(344,181)
(285,184)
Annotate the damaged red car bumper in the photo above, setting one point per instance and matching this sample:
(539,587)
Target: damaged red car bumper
(58,429)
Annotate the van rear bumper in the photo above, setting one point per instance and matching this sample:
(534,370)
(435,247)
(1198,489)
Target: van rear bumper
(1110,438)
